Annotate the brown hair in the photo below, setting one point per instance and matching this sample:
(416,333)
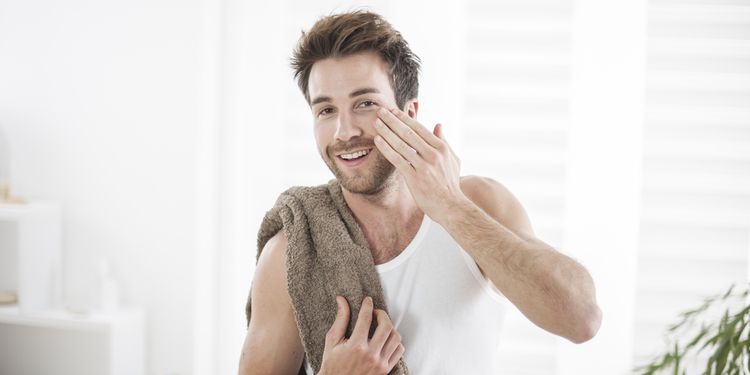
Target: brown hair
(349,33)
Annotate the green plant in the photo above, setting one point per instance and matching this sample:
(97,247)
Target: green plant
(726,339)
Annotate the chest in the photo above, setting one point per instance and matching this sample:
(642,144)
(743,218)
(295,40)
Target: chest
(387,242)
(384,249)
(438,303)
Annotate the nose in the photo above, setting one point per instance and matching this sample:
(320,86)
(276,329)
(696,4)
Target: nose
(347,127)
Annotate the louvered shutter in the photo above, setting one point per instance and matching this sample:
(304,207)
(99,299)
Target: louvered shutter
(695,224)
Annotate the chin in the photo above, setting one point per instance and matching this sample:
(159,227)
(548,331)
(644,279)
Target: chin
(361,185)
(369,182)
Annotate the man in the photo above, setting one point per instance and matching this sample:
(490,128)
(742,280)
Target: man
(450,250)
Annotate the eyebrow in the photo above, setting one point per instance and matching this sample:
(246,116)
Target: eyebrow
(355,93)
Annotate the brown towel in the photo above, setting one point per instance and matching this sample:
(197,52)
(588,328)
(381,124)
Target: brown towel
(327,255)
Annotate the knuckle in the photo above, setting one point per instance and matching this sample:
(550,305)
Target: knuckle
(383,314)
(372,358)
(441,146)
(379,317)
(360,349)
(414,136)
(403,148)
(430,156)
(387,329)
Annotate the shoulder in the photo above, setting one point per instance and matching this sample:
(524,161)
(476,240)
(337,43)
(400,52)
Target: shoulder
(271,302)
(487,193)
(498,202)
(273,256)
(269,290)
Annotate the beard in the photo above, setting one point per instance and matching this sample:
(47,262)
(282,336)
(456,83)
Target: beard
(367,181)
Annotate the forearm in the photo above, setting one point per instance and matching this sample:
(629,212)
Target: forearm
(551,289)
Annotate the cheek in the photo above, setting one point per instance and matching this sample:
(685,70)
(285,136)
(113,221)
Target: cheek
(323,135)
(367,122)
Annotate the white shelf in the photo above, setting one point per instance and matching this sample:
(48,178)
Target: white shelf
(74,344)
(91,322)
(31,253)
(15,212)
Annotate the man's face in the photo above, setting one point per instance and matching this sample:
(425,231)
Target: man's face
(345,94)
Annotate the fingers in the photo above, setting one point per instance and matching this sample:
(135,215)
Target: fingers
(393,156)
(403,149)
(387,338)
(338,328)
(382,332)
(420,129)
(364,320)
(392,345)
(395,356)
(406,128)
(438,130)
(414,143)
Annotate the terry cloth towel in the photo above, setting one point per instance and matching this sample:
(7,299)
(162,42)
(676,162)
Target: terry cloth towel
(327,255)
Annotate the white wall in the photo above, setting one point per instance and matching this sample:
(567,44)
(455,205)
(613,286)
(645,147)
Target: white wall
(101,102)
(168,128)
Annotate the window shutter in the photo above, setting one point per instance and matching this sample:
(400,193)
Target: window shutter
(516,131)
(695,221)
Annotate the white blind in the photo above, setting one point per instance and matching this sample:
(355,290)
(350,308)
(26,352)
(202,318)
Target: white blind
(695,221)
(516,131)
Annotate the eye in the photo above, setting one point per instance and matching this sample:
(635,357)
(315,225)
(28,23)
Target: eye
(367,103)
(325,111)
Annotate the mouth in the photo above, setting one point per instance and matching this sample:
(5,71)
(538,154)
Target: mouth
(354,158)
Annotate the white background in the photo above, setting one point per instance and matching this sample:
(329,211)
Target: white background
(167,128)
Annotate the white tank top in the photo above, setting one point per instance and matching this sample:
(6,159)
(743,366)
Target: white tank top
(449,316)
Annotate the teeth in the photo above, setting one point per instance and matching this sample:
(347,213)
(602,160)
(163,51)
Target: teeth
(354,155)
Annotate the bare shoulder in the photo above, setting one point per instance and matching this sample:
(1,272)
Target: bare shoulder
(272,344)
(270,266)
(497,201)
(270,293)
(274,252)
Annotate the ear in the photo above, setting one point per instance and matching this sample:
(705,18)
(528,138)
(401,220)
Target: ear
(411,108)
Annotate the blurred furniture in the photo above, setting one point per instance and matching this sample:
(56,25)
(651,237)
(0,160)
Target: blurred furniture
(37,336)
(30,253)
(62,343)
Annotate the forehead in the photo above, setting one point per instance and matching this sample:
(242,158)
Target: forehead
(335,77)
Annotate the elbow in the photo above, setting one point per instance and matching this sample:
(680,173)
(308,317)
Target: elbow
(244,368)
(588,326)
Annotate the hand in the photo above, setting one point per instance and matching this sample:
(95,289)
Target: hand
(358,354)
(429,166)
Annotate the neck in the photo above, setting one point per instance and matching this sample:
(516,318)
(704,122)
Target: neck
(393,205)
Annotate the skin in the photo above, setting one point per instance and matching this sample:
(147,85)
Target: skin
(410,172)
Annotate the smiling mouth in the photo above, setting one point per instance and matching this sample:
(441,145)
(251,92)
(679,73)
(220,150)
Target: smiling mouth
(356,155)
